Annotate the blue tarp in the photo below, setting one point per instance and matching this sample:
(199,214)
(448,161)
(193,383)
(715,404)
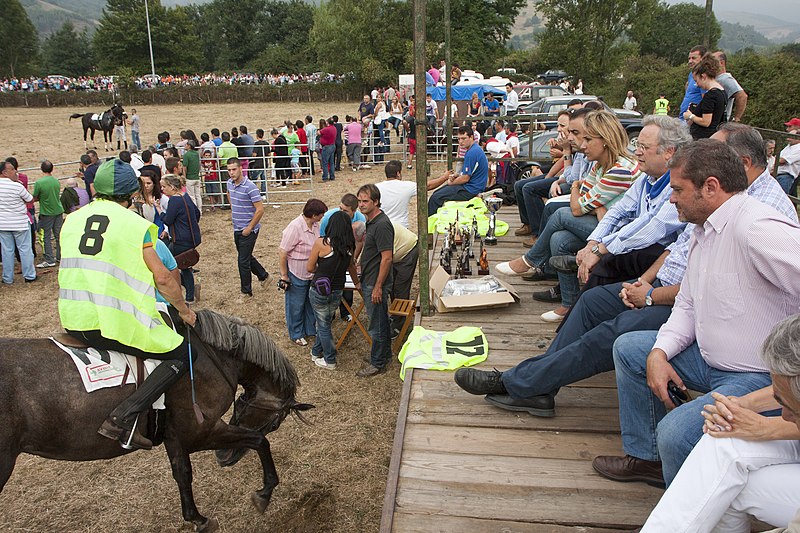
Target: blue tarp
(463,92)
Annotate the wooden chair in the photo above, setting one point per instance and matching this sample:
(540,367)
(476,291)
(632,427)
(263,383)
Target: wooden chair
(405,308)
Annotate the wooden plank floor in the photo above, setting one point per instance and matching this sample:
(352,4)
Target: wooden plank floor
(462,465)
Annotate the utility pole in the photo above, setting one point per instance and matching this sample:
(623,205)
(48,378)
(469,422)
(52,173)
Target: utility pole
(150,42)
(420,128)
(707,25)
(448,86)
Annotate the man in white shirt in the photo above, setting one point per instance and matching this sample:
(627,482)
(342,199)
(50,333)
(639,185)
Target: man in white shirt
(512,100)
(396,193)
(789,159)
(630,102)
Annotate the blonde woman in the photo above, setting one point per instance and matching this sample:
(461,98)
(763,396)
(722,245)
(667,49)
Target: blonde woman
(613,171)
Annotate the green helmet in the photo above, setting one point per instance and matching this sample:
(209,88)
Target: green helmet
(115,178)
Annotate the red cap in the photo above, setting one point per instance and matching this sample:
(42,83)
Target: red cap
(794,122)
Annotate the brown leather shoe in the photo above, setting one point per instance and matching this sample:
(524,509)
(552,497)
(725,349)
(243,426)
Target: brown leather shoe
(527,243)
(524,230)
(629,468)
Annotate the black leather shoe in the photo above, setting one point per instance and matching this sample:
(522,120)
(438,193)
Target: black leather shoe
(476,381)
(544,406)
(538,275)
(566,264)
(629,468)
(551,295)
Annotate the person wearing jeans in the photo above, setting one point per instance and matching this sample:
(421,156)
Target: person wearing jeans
(331,257)
(376,278)
(14,224)
(246,212)
(327,141)
(297,241)
(47,191)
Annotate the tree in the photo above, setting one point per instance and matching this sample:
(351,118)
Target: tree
(121,37)
(67,52)
(588,38)
(20,40)
(673,31)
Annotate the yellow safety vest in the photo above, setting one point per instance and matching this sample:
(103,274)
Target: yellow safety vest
(104,283)
(661,106)
(440,221)
(443,350)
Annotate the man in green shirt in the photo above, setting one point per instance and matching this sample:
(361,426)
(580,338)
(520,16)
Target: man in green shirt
(47,191)
(191,166)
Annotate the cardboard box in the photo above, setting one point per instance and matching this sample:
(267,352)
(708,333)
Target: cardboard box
(450,304)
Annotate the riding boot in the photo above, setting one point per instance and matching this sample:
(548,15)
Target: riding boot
(120,422)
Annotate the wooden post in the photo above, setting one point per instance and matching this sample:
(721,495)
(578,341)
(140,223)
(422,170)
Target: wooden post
(448,86)
(420,128)
(707,25)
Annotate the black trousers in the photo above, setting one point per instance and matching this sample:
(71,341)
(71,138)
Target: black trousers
(248,265)
(623,267)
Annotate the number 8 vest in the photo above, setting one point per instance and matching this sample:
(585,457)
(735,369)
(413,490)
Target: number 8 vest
(104,283)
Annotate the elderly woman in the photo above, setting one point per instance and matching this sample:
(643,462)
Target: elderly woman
(705,117)
(295,250)
(181,218)
(331,257)
(613,170)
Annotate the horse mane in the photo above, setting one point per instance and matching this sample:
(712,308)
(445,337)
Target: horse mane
(247,343)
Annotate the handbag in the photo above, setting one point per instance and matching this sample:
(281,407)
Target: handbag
(190,257)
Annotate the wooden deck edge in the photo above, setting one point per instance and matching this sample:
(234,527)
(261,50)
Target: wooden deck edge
(387,514)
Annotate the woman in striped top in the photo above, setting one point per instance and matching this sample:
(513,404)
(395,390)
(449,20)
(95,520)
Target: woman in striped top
(605,143)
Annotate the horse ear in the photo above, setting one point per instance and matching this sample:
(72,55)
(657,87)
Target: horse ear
(303,406)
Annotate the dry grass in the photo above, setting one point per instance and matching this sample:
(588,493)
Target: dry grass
(333,472)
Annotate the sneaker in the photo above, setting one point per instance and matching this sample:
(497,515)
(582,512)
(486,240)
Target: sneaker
(366,167)
(324,364)
(315,358)
(369,371)
(301,341)
(409,167)
(46,264)
(31,280)
(265,280)
(551,295)
(347,318)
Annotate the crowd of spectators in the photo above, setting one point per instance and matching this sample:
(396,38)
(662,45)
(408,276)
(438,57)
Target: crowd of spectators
(108,83)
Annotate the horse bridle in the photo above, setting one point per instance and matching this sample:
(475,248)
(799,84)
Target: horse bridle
(241,405)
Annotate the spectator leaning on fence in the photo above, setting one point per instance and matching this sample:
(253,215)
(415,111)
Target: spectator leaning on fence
(47,192)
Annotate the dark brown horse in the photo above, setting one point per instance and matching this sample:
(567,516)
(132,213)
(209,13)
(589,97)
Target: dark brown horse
(104,122)
(47,412)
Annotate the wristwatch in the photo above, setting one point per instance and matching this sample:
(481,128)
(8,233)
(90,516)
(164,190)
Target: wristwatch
(648,299)
(596,250)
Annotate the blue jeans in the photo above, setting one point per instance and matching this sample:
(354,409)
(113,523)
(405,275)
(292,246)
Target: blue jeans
(648,431)
(297,305)
(324,310)
(258,176)
(531,194)
(446,193)
(22,240)
(379,331)
(564,234)
(327,162)
(135,139)
(785,181)
(584,344)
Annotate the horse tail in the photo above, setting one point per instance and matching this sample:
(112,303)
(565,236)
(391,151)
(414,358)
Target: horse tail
(75,115)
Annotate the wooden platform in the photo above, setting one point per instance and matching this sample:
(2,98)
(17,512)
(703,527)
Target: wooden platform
(462,465)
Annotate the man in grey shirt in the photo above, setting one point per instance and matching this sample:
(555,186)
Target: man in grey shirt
(133,122)
(737,98)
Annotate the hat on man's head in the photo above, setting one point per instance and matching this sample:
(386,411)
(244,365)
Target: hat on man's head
(115,178)
(794,122)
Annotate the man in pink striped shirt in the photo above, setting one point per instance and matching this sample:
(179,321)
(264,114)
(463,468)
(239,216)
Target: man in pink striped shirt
(742,278)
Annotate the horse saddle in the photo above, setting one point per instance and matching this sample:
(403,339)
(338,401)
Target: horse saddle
(97,116)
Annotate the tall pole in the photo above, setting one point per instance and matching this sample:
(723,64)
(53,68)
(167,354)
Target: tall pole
(707,25)
(420,127)
(448,86)
(150,42)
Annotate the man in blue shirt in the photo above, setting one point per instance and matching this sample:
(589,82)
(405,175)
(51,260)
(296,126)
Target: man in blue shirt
(348,204)
(472,180)
(693,93)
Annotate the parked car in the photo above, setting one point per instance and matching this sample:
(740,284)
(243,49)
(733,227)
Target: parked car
(537,152)
(531,93)
(545,111)
(552,75)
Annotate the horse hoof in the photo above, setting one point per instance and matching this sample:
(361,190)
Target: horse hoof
(260,502)
(209,526)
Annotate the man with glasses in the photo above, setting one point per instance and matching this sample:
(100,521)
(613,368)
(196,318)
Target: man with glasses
(470,182)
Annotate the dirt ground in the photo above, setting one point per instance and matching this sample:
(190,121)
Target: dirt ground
(333,472)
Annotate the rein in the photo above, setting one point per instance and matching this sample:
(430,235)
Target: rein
(217,363)
(241,405)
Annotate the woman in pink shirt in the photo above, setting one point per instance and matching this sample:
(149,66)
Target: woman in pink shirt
(296,242)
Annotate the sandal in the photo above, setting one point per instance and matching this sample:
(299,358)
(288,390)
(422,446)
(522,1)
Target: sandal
(301,341)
